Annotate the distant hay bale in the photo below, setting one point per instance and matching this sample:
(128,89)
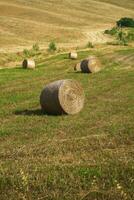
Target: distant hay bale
(28,64)
(77,67)
(89,65)
(62,97)
(73,55)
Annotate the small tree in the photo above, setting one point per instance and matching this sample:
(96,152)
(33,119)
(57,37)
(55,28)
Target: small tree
(130,36)
(36,47)
(90,45)
(26,52)
(112,31)
(52,46)
(125,22)
(122,37)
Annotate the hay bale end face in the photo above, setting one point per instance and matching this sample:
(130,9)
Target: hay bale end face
(89,65)
(73,55)
(62,97)
(28,64)
(77,67)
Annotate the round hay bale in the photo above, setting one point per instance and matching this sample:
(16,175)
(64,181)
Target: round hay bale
(73,55)
(77,67)
(89,65)
(28,64)
(62,97)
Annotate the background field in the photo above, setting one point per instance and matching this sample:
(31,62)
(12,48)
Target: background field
(82,157)
(68,22)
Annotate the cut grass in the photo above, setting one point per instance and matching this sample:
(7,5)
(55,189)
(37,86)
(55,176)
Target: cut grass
(125,58)
(81,157)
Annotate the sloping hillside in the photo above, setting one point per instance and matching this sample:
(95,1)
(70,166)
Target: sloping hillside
(24,22)
(124,3)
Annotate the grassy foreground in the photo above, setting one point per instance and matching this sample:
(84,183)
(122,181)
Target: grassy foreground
(71,22)
(82,157)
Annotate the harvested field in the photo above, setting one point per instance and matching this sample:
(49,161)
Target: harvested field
(84,156)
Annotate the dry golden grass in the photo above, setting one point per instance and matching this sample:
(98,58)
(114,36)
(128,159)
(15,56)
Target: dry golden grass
(24,22)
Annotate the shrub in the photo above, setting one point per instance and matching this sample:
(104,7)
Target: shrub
(125,22)
(26,52)
(116,43)
(130,36)
(106,31)
(112,31)
(52,46)
(36,47)
(122,37)
(90,45)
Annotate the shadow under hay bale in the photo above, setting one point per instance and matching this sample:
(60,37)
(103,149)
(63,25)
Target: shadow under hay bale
(28,64)
(62,97)
(73,55)
(29,112)
(89,65)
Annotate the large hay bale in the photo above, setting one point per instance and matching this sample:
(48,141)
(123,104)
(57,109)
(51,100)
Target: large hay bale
(62,97)
(28,64)
(89,65)
(73,55)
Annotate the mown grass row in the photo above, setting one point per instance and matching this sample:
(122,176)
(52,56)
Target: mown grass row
(85,156)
